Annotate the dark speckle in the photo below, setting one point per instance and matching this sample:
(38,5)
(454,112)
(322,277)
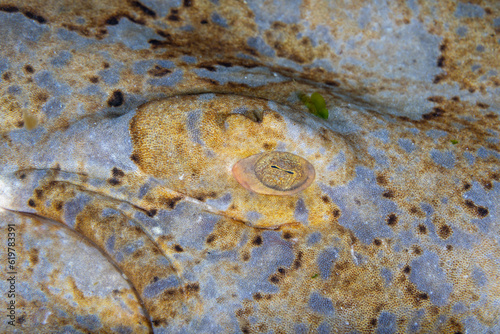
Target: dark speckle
(117,172)
(203,21)
(187,3)
(173,17)
(444,231)
(257,241)
(35,17)
(392,219)
(113,181)
(112,21)
(29,69)
(287,235)
(388,194)
(377,242)
(406,269)
(116,99)
(210,238)
(143,8)
(482,211)
(178,248)
(373,322)
(422,229)
(151,213)
(31,203)
(135,158)
(440,61)
(336,213)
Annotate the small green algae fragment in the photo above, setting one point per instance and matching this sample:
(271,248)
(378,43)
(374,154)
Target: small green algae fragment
(315,275)
(454,142)
(315,103)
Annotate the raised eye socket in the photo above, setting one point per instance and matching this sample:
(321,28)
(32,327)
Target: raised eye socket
(274,173)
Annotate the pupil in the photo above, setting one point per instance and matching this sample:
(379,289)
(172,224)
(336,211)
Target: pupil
(287,171)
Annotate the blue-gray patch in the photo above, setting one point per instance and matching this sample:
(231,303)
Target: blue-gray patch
(314,238)
(407,145)
(142,66)
(168,80)
(261,46)
(324,328)
(436,134)
(122,330)
(219,20)
(193,127)
(4,64)
(479,276)
(337,162)
(429,277)
(459,308)
(383,135)
(445,159)
(110,76)
(363,206)
(301,213)
(253,77)
(53,107)
(462,31)
(484,153)
(189,59)
(161,7)
(469,10)
(325,261)
(90,322)
(159,286)
(132,246)
(321,304)
(286,11)
(92,90)
(221,203)
(73,207)
(14,89)
(61,59)
(253,216)
(379,156)
(134,36)
(143,190)
(470,158)
(17,26)
(386,275)
(74,39)
(110,244)
(301,328)
(364,17)
(44,79)
(386,323)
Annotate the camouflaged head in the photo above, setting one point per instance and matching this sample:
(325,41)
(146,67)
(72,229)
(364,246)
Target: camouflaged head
(162,174)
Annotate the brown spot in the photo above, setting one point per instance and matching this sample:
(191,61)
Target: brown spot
(438,78)
(31,203)
(449,247)
(117,172)
(178,248)
(437,111)
(35,17)
(274,279)
(246,257)
(170,202)
(135,158)
(105,65)
(381,180)
(257,296)
(406,269)
(373,322)
(481,211)
(193,287)
(116,99)
(488,185)
(440,61)
(143,8)
(392,219)
(151,213)
(417,250)
(29,69)
(422,229)
(173,17)
(20,124)
(325,199)
(159,71)
(112,21)
(455,98)
(203,21)
(336,213)
(388,194)
(34,256)
(113,181)
(482,105)
(332,83)
(94,79)
(187,3)
(287,235)
(297,263)
(21,319)
(38,193)
(467,186)
(58,205)
(257,241)
(8,9)
(437,99)
(210,239)
(377,242)
(444,231)
(6,76)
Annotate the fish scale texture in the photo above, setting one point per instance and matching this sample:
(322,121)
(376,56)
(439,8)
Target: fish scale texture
(121,122)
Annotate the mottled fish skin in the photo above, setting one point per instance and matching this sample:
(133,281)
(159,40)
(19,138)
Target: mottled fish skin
(121,123)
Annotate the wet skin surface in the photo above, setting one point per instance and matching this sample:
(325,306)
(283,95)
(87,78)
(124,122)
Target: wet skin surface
(130,166)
